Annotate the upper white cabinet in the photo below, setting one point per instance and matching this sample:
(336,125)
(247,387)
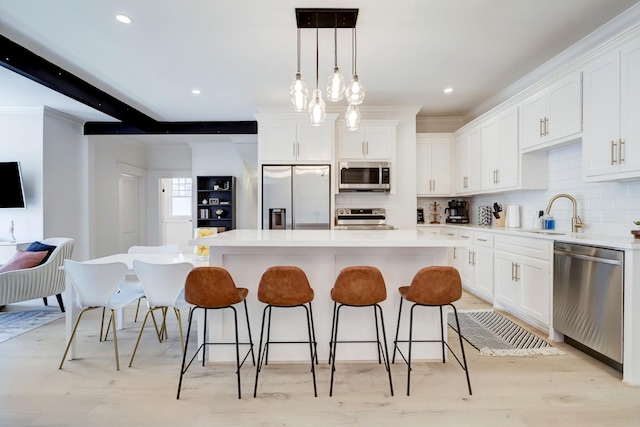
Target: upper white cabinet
(611,137)
(500,154)
(295,140)
(553,115)
(375,140)
(468,171)
(434,168)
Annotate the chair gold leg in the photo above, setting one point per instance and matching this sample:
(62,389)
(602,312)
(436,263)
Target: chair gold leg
(73,334)
(115,337)
(102,326)
(144,322)
(155,325)
(177,312)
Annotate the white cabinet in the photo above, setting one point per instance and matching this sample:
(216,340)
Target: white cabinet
(433,164)
(374,140)
(522,278)
(553,115)
(476,264)
(293,141)
(500,154)
(468,165)
(611,137)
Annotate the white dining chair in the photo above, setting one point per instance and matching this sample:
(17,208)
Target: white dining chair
(131,282)
(96,286)
(163,286)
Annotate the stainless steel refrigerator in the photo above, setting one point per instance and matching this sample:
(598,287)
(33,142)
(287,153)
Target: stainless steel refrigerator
(296,197)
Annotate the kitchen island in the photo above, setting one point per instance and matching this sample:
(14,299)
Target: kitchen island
(322,254)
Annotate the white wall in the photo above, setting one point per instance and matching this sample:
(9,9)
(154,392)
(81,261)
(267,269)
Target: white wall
(21,140)
(64,184)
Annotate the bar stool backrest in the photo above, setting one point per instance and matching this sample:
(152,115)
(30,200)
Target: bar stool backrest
(284,286)
(435,285)
(211,287)
(359,286)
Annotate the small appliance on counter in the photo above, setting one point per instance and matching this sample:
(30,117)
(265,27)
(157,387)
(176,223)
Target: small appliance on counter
(362,219)
(458,212)
(513,216)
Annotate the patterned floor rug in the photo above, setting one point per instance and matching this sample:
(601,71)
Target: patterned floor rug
(15,323)
(495,335)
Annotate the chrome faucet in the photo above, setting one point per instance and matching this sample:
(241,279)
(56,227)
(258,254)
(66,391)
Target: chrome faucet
(576,222)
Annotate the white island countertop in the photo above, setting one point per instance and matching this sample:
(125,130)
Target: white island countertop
(329,238)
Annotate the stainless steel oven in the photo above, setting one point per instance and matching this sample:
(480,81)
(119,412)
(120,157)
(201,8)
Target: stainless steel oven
(364,176)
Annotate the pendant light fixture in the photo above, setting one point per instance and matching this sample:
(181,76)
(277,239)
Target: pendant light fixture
(352,117)
(335,86)
(317,108)
(355,91)
(298,91)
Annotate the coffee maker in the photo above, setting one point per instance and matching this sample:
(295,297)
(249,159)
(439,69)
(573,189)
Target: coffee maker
(458,211)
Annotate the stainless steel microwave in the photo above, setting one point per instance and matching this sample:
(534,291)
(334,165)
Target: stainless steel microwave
(364,176)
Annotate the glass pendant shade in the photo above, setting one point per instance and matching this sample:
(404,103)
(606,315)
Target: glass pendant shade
(352,117)
(355,91)
(317,109)
(299,94)
(335,86)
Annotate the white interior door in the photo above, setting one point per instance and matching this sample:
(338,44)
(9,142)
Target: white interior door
(129,209)
(176,203)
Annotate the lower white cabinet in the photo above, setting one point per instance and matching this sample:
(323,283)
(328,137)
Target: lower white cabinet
(476,264)
(522,277)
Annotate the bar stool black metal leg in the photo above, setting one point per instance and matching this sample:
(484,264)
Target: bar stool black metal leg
(464,358)
(246,311)
(204,331)
(375,316)
(311,348)
(395,342)
(184,355)
(313,333)
(333,325)
(442,342)
(260,355)
(266,345)
(386,349)
(334,341)
(410,346)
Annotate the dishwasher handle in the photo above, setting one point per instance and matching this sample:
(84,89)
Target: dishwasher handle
(588,257)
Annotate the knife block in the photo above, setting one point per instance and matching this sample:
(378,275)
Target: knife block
(500,222)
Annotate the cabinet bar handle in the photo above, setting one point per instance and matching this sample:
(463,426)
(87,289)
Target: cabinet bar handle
(482,240)
(613,149)
(362,150)
(455,256)
(450,234)
(621,151)
(464,237)
(497,176)
(465,182)
(540,127)
(469,261)
(294,148)
(474,258)
(517,272)
(513,275)
(546,126)
(298,149)
(367,148)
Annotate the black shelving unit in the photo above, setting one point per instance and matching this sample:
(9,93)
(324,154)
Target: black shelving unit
(216,193)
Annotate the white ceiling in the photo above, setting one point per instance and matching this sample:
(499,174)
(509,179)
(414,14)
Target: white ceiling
(242,54)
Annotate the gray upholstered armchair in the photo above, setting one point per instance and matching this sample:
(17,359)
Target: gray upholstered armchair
(41,281)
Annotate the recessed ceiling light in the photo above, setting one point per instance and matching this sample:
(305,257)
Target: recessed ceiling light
(448,90)
(196,91)
(124,19)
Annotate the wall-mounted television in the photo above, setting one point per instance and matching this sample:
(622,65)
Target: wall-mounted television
(11,188)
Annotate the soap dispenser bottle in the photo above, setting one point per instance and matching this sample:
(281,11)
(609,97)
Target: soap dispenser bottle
(549,222)
(539,222)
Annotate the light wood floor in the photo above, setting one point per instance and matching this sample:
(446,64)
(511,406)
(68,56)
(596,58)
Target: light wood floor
(508,391)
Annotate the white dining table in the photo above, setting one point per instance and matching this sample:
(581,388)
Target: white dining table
(73,311)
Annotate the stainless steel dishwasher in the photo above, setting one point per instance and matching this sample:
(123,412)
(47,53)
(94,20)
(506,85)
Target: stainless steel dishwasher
(588,299)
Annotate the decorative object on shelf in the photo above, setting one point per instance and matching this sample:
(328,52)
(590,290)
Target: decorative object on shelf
(316,18)
(420,218)
(12,238)
(205,201)
(219,185)
(214,201)
(434,213)
(636,233)
(219,213)
(204,213)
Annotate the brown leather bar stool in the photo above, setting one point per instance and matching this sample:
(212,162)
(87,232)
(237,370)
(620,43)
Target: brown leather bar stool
(359,286)
(434,286)
(285,287)
(212,288)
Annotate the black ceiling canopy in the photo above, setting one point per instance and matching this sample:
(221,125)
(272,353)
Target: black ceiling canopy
(326,18)
(26,63)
